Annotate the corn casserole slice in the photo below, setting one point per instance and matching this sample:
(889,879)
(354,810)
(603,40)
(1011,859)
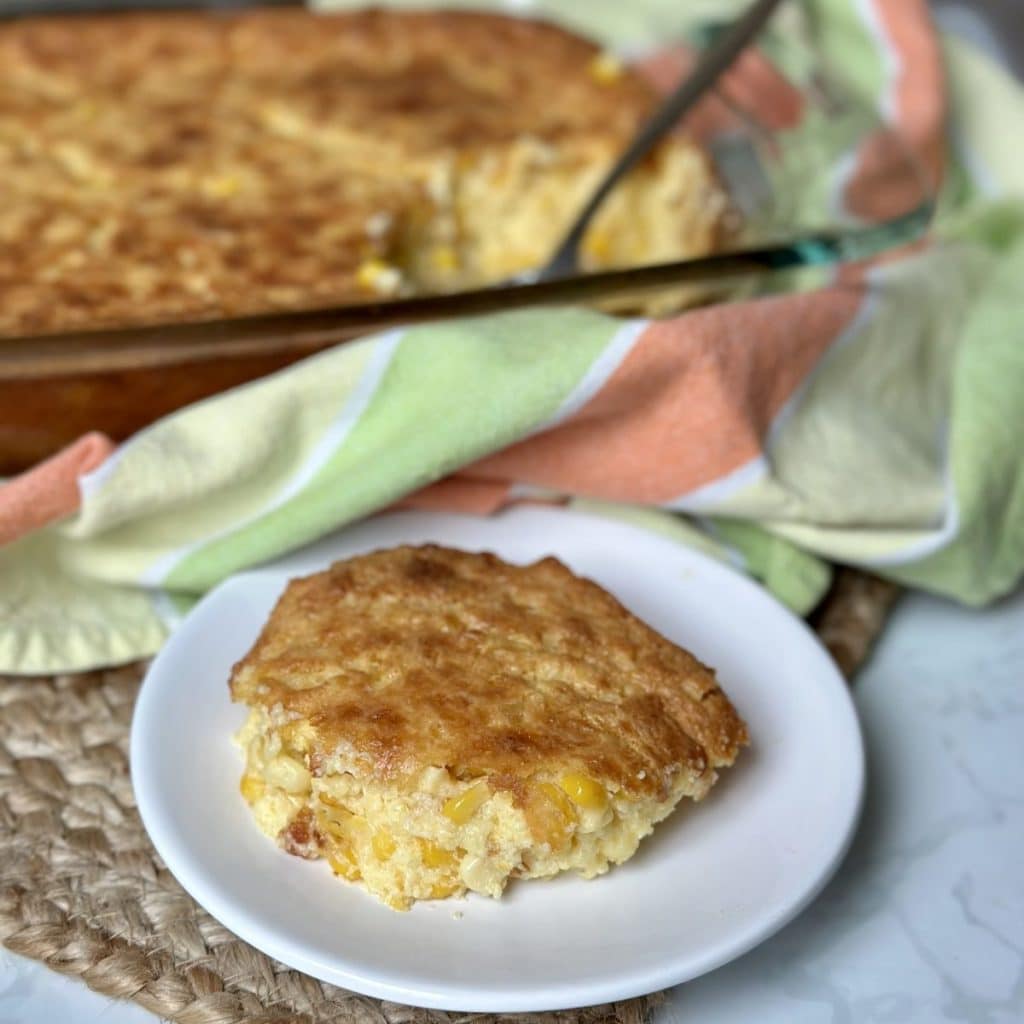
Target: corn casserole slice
(433,721)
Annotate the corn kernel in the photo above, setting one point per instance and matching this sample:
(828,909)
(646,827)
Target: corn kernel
(221,187)
(358,827)
(443,889)
(297,736)
(598,245)
(444,258)
(332,827)
(551,816)
(377,276)
(377,225)
(282,120)
(288,774)
(252,788)
(76,160)
(343,862)
(383,844)
(334,820)
(432,780)
(606,68)
(584,791)
(477,873)
(435,856)
(462,807)
(557,796)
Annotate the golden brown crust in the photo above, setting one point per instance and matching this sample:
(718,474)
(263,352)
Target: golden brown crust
(420,656)
(169,166)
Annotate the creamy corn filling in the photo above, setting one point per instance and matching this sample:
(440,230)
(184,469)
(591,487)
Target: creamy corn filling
(433,835)
(492,213)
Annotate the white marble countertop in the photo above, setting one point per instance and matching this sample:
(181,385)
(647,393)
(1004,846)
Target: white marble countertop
(924,922)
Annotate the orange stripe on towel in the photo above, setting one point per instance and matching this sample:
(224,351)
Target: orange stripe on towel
(884,185)
(49,491)
(459,494)
(691,403)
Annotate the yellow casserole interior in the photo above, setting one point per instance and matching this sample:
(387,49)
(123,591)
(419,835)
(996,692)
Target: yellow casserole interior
(433,835)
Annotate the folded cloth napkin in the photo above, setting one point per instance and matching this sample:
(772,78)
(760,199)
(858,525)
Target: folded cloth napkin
(876,420)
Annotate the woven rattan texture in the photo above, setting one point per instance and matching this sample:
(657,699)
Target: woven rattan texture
(82,889)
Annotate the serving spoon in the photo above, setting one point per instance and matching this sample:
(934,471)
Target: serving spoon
(717,59)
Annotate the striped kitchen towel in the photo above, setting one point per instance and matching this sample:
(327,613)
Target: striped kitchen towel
(876,420)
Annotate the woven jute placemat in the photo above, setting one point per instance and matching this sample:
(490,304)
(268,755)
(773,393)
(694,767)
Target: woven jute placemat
(83,890)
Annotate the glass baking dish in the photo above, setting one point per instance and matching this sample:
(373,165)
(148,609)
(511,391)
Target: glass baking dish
(799,200)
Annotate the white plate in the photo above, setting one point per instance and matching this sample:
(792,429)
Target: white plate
(713,880)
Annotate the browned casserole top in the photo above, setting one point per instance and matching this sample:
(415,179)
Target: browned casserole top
(420,656)
(163,166)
